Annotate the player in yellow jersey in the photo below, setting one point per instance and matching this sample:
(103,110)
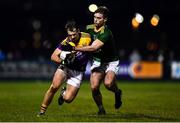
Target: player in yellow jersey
(71,68)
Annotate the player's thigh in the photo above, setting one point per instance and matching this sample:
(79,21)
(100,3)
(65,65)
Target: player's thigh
(96,78)
(71,92)
(111,71)
(59,77)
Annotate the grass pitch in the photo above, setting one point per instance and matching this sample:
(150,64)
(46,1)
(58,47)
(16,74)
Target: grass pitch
(142,101)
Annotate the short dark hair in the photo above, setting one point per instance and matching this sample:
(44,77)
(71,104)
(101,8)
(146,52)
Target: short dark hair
(103,10)
(71,25)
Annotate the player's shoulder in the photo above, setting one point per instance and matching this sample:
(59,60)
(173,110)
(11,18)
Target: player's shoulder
(91,26)
(85,39)
(85,35)
(106,30)
(64,42)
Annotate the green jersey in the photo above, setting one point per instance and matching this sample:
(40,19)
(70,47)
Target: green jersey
(108,51)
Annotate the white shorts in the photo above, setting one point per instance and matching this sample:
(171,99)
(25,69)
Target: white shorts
(108,66)
(73,77)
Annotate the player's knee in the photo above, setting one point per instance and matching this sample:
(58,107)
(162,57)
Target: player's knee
(108,85)
(94,87)
(68,99)
(53,88)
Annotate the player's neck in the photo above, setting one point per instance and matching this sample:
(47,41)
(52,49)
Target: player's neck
(97,29)
(79,36)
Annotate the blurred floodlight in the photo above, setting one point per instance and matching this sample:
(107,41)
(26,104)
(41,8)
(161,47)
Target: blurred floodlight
(139,18)
(36,24)
(155,20)
(134,23)
(93,7)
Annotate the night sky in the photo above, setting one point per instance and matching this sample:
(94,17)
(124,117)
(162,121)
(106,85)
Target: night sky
(17,17)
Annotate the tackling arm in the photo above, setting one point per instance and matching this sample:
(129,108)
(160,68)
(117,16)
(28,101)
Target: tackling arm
(97,44)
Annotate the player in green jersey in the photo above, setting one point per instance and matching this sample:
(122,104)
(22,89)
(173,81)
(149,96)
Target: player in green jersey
(104,59)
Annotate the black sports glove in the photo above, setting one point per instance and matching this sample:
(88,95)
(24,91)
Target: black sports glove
(69,59)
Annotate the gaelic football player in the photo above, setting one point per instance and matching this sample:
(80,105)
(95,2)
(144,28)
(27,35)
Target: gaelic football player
(71,68)
(105,59)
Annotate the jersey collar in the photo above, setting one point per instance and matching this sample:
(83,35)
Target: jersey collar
(100,29)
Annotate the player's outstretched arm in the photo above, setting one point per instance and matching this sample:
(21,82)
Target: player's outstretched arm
(97,44)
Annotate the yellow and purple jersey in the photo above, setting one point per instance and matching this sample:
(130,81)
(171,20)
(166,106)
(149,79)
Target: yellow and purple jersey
(81,58)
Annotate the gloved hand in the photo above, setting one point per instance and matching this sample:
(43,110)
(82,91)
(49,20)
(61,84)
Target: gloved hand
(69,59)
(63,54)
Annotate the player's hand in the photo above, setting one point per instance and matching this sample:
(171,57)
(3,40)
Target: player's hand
(64,54)
(69,59)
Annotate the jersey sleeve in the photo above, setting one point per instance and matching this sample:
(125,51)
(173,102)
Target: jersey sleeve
(62,44)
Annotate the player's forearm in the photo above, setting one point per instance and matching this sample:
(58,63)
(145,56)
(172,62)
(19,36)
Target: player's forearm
(56,59)
(97,44)
(86,49)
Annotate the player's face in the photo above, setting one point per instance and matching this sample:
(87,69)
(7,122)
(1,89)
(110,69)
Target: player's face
(73,35)
(99,20)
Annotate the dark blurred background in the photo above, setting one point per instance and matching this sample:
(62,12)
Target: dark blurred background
(31,29)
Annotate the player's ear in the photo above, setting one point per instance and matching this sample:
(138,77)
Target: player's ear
(78,30)
(105,20)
